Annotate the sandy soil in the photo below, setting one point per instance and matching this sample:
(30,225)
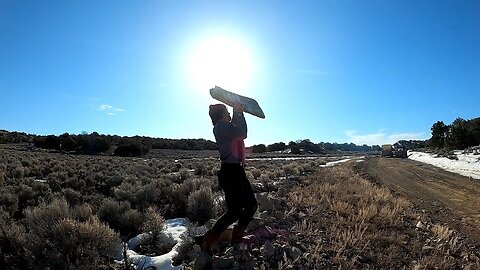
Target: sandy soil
(451,198)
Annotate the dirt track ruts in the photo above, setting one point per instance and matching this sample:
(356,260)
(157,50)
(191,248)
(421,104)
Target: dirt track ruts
(452,198)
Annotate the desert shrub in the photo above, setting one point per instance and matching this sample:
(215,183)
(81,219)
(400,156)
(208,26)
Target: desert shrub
(120,216)
(57,166)
(74,244)
(202,182)
(55,184)
(180,193)
(249,175)
(200,169)
(184,174)
(165,170)
(42,218)
(149,194)
(72,196)
(40,221)
(179,198)
(156,192)
(271,175)
(13,240)
(82,212)
(176,167)
(163,243)
(127,191)
(290,169)
(114,181)
(3,167)
(256,173)
(60,176)
(110,209)
(277,173)
(41,190)
(158,242)
(3,178)
(93,199)
(8,201)
(200,205)
(18,172)
(154,222)
(46,170)
(28,196)
(130,222)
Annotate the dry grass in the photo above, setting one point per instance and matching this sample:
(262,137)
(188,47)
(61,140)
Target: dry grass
(441,232)
(366,213)
(350,223)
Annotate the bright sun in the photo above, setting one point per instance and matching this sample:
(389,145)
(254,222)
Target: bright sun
(221,61)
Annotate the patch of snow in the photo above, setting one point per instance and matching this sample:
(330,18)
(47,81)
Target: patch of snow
(333,163)
(174,227)
(137,240)
(466,165)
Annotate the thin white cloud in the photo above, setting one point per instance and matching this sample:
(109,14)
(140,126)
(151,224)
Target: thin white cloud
(105,107)
(109,109)
(381,137)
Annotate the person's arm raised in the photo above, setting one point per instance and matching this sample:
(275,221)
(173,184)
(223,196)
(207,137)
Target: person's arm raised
(238,120)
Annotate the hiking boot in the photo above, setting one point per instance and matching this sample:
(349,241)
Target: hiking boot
(205,241)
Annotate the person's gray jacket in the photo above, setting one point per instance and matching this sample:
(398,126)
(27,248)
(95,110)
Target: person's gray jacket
(229,137)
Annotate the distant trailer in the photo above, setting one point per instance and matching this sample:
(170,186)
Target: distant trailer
(387,150)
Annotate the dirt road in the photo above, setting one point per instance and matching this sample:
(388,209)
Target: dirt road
(452,198)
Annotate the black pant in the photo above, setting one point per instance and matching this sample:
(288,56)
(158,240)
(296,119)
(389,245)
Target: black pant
(241,202)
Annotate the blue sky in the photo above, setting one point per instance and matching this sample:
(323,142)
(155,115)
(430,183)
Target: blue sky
(338,71)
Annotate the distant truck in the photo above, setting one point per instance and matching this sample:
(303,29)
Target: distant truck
(397,152)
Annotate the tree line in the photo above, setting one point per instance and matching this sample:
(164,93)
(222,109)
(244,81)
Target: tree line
(460,134)
(306,146)
(95,143)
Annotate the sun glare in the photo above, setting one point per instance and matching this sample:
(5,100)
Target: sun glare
(221,61)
